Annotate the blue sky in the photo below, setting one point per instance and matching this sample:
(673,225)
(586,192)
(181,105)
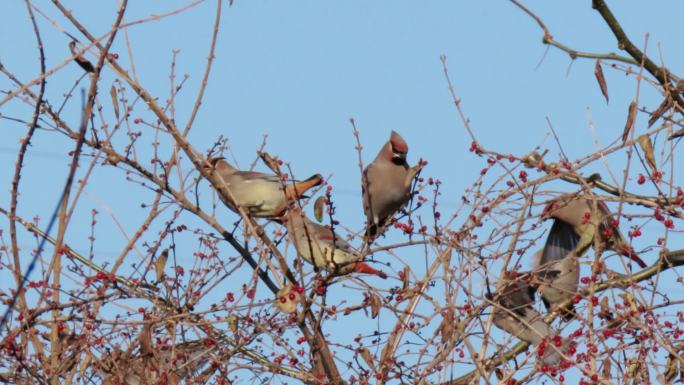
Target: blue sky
(298,71)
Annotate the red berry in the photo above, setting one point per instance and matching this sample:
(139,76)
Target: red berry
(558,341)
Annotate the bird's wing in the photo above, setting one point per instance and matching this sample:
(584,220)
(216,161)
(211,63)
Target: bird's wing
(326,235)
(562,239)
(253,176)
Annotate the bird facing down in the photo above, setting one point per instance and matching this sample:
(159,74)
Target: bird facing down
(513,312)
(578,212)
(386,183)
(260,195)
(320,246)
(556,267)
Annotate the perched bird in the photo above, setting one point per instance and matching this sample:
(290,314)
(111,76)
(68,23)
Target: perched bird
(578,212)
(260,195)
(320,246)
(557,268)
(386,183)
(513,312)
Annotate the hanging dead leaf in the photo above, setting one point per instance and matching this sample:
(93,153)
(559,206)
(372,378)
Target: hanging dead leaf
(160,264)
(647,147)
(499,374)
(671,368)
(598,72)
(145,339)
(606,368)
(115,101)
(232,324)
(631,117)
(662,108)
(365,354)
(633,369)
(446,328)
(375,303)
(318,208)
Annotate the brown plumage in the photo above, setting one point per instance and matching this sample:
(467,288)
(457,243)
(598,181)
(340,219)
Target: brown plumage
(578,212)
(514,313)
(386,184)
(320,246)
(260,195)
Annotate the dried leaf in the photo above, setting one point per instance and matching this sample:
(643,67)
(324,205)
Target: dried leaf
(677,134)
(598,72)
(647,148)
(662,108)
(499,374)
(160,264)
(145,339)
(606,368)
(232,324)
(633,369)
(318,208)
(446,328)
(115,101)
(671,368)
(365,354)
(375,303)
(629,299)
(631,117)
